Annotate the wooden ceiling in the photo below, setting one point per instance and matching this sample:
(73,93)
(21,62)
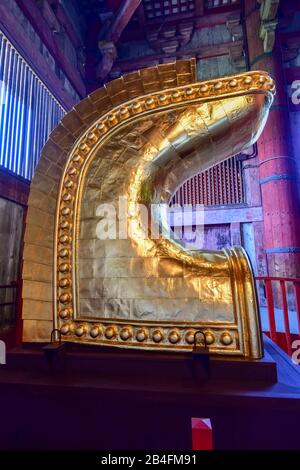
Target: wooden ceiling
(156,10)
(166,26)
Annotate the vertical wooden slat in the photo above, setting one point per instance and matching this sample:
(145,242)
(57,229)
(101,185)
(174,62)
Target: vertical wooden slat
(232,185)
(186,193)
(297,302)
(218,184)
(240,182)
(212,186)
(209,202)
(213,170)
(286,317)
(228,182)
(189,192)
(236,180)
(207,193)
(201,189)
(226,188)
(271,311)
(223,180)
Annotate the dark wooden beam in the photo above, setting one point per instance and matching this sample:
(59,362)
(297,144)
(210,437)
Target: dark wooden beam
(122,19)
(22,42)
(13,187)
(141,16)
(208,20)
(33,13)
(107,46)
(199,7)
(64,20)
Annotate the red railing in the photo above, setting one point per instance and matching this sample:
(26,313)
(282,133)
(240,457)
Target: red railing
(279,300)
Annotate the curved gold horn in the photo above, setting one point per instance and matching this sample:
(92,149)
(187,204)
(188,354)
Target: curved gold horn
(137,289)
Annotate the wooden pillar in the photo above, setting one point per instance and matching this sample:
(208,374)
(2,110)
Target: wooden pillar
(277,166)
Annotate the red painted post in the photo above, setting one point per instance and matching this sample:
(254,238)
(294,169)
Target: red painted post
(271,312)
(286,317)
(276,159)
(297,302)
(201,434)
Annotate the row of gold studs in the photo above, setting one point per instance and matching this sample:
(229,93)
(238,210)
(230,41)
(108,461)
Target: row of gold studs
(142,334)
